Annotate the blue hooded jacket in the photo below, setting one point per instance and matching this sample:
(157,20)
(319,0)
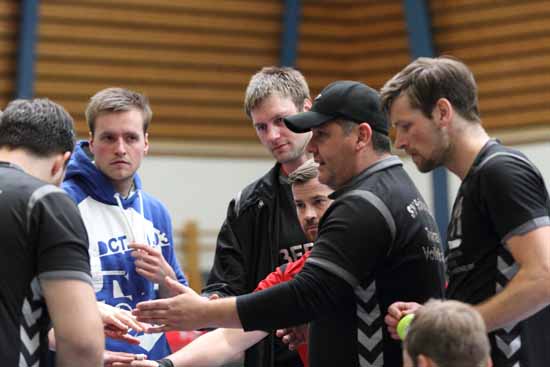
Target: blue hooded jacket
(112,223)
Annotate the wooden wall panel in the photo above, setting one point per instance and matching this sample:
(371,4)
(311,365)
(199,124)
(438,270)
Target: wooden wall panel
(192,58)
(9,22)
(507,45)
(363,40)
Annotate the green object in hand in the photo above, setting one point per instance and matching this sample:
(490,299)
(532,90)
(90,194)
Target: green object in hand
(403,325)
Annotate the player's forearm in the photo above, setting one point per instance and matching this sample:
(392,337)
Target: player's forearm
(312,293)
(527,293)
(84,350)
(222,313)
(76,320)
(216,348)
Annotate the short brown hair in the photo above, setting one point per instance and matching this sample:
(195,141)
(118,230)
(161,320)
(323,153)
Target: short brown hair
(117,100)
(285,82)
(307,171)
(426,80)
(451,333)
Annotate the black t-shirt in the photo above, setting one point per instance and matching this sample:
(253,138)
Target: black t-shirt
(377,244)
(43,237)
(292,245)
(503,195)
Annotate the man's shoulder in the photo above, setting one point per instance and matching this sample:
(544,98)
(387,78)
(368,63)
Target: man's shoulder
(260,189)
(18,185)
(392,185)
(74,190)
(501,165)
(153,202)
(498,156)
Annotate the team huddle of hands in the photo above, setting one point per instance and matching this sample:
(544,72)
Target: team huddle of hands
(166,315)
(182,309)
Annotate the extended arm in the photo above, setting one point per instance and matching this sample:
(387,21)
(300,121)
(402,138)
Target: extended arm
(78,327)
(212,349)
(325,282)
(313,292)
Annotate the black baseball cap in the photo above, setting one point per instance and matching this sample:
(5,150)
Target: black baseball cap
(344,99)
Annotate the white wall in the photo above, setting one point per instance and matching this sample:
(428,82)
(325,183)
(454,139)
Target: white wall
(200,188)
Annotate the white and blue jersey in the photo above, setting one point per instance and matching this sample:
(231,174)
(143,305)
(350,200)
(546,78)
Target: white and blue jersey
(112,223)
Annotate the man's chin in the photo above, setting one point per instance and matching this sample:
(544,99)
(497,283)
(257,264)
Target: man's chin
(311,235)
(427,166)
(119,176)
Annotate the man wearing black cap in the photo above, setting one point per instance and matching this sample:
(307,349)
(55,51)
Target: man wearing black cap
(377,243)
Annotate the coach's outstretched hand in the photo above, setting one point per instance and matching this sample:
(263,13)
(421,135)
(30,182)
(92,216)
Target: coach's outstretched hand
(181,312)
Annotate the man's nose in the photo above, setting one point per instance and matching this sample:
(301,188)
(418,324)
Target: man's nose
(120,146)
(311,146)
(400,141)
(310,214)
(273,133)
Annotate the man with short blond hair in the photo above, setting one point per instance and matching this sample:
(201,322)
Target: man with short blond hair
(261,230)
(130,232)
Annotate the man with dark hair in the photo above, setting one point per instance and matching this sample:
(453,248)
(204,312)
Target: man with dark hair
(130,232)
(377,243)
(499,233)
(261,230)
(44,264)
(446,334)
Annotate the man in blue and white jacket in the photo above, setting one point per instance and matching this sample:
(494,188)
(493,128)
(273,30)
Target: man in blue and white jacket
(130,232)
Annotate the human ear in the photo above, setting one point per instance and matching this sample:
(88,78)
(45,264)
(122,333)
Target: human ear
(443,112)
(59,165)
(307,104)
(146,149)
(364,135)
(91,142)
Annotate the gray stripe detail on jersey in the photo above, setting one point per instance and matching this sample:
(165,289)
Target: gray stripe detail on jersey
(29,336)
(378,204)
(508,348)
(66,274)
(378,166)
(36,196)
(508,154)
(527,227)
(334,269)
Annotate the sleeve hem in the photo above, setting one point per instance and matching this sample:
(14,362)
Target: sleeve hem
(66,274)
(527,227)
